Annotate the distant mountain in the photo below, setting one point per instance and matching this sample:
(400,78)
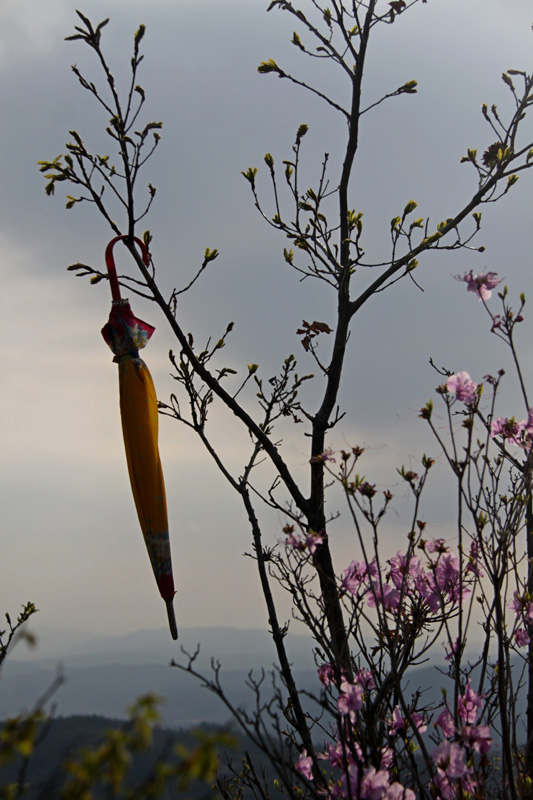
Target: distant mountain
(62,739)
(104,675)
(235,648)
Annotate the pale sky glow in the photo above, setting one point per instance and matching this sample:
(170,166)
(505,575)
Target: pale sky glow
(70,537)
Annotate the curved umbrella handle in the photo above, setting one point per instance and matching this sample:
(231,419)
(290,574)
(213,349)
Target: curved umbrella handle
(110,263)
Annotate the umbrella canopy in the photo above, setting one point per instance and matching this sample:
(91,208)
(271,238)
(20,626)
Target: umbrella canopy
(126,335)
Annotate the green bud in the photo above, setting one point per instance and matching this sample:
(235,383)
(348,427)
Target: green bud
(506,79)
(270,66)
(250,174)
(269,161)
(408,88)
(410,207)
(297,41)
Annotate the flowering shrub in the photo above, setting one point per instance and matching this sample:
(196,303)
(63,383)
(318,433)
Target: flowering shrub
(425,593)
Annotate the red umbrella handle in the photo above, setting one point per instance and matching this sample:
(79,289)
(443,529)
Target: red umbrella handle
(110,263)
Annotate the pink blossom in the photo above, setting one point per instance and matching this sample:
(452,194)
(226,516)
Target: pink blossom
(350,699)
(437,546)
(365,679)
(442,785)
(308,540)
(473,565)
(481,284)
(451,651)
(510,429)
(450,758)
(356,573)
(463,387)
(521,637)
(389,597)
(398,792)
(445,723)
(327,455)
(387,757)
(397,722)
(516,433)
(374,784)
(477,737)
(468,704)
(304,765)
(327,673)
(403,569)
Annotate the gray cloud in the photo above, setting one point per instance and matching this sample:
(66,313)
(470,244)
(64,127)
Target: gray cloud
(71,538)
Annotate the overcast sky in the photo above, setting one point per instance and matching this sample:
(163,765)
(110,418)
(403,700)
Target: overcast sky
(70,537)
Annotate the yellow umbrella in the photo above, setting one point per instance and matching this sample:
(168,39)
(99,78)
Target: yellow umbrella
(126,335)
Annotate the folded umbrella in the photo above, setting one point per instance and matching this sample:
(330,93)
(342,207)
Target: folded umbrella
(126,335)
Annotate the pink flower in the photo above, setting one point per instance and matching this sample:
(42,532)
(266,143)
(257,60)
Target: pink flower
(477,737)
(327,455)
(522,637)
(397,722)
(403,570)
(452,651)
(445,723)
(355,574)
(517,433)
(374,784)
(473,565)
(463,387)
(390,597)
(481,284)
(387,757)
(365,679)
(468,704)
(308,540)
(304,765)
(327,673)
(450,758)
(350,699)
(398,792)
(508,428)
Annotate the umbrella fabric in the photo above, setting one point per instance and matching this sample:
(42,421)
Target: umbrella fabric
(126,335)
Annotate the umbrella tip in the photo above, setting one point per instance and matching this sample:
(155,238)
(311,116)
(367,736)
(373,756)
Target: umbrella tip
(172,619)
